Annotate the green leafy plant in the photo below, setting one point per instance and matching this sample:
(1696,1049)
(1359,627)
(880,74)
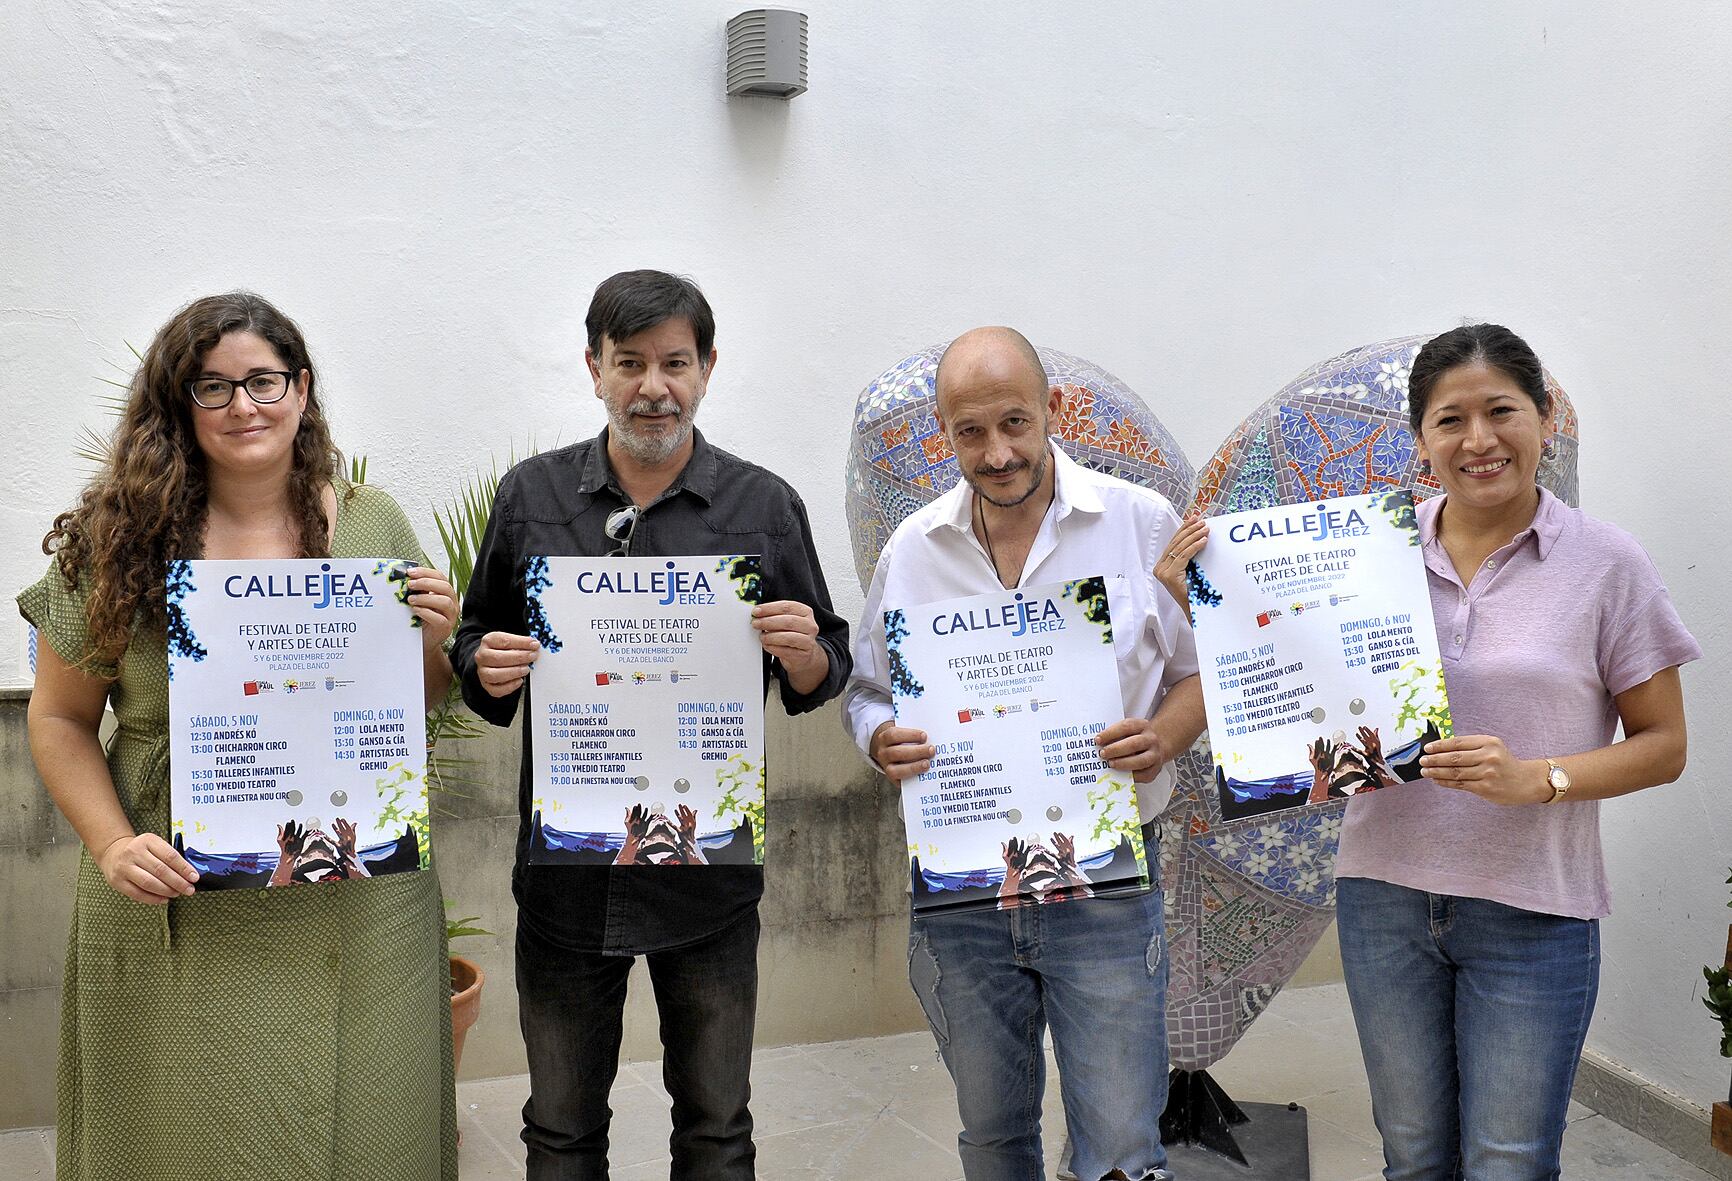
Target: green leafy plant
(460,928)
(96,447)
(1719,1003)
(447,722)
(461,524)
(1719,999)
(463,520)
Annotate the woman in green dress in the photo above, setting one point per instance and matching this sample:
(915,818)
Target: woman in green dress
(293,1034)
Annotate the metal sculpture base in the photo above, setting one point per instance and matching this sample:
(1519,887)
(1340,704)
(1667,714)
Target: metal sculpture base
(1209,1137)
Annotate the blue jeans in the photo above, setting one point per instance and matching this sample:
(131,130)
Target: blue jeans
(1471,1017)
(1095,970)
(570,1005)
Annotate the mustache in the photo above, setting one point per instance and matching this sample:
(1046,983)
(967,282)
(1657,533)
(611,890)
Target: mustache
(1008,469)
(664,405)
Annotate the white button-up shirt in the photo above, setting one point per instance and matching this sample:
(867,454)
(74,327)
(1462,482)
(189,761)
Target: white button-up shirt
(1097,525)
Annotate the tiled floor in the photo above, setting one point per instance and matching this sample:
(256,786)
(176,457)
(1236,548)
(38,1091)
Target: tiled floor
(883,1109)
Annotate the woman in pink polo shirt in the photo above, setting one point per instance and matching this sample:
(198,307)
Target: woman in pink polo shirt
(1469,902)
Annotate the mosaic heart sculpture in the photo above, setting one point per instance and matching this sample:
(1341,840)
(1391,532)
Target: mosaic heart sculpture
(1246,900)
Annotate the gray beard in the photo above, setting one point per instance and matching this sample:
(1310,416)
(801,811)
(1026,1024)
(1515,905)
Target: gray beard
(651,452)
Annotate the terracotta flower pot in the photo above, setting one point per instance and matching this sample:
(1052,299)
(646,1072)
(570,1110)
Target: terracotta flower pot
(466,981)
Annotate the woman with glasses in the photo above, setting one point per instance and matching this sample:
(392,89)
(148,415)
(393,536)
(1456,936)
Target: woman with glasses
(291,1033)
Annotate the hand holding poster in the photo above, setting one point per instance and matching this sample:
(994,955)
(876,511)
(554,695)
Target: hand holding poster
(297,749)
(1321,672)
(1017,806)
(648,721)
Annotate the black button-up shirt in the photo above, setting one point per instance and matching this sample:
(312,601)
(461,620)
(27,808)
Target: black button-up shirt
(556,504)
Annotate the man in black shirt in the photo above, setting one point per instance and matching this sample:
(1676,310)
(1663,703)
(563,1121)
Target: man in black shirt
(649,485)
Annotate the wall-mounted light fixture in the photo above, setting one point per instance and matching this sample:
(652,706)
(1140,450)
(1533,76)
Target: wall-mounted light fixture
(767,53)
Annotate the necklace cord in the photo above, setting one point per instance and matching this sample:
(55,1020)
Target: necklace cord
(986,532)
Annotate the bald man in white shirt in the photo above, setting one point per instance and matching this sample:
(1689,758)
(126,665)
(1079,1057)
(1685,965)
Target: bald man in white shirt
(1094,970)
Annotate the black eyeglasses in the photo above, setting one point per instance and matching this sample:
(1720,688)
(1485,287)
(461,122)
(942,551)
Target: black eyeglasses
(621,524)
(213,393)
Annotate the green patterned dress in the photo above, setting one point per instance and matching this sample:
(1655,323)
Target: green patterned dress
(301,1034)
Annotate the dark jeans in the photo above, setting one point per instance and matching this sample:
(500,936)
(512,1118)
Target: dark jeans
(1094,971)
(570,1004)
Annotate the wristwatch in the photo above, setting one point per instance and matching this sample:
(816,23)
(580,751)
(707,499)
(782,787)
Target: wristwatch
(1560,781)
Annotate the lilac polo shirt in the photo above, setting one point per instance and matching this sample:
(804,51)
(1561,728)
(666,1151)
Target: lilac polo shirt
(1562,619)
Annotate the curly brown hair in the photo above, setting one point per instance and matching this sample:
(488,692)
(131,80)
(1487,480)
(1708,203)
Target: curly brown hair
(147,504)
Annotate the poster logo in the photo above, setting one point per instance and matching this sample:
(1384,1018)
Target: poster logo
(673,585)
(324,588)
(1024,617)
(1319,524)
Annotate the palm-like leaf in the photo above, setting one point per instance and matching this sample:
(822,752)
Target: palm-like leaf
(461,524)
(96,447)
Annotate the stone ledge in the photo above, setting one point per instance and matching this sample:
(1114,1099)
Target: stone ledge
(1650,1111)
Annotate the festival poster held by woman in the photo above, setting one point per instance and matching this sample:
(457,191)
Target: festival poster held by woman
(304,1031)
(1469,901)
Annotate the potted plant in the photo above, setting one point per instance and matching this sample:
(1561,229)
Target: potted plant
(466,981)
(1719,1003)
(461,524)
(460,527)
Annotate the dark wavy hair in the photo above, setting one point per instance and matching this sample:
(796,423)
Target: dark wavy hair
(1491,345)
(147,504)
(635,301)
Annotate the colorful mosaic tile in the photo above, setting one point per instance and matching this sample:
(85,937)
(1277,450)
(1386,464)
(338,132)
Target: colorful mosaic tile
(1258,485)
(1340,429)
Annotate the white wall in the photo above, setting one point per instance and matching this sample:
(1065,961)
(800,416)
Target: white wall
(1203,198)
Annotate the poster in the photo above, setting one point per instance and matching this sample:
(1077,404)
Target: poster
(1017,806)
(1321,672)
(648,711)
(297,739)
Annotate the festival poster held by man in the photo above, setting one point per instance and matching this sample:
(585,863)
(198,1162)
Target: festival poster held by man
(1094,970)
(172,1020)
(649,485)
